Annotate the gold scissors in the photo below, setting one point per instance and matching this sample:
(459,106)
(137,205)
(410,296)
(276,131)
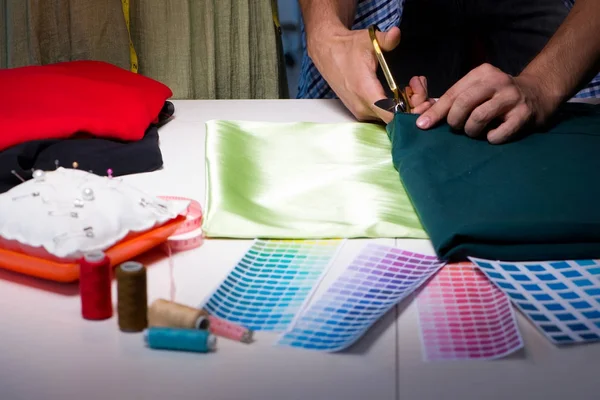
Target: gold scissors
(401,100)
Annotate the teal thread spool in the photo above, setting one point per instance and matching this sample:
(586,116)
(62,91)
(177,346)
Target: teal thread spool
(164,338)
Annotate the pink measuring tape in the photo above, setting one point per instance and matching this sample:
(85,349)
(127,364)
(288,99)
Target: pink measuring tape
(189,234)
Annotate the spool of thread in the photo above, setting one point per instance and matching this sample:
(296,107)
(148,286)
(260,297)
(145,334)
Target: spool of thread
(95,286)
(132,297)
(163,338)
(230,330)
(164,313)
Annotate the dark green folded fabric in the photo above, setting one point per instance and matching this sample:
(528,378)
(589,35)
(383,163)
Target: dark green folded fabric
(534,199)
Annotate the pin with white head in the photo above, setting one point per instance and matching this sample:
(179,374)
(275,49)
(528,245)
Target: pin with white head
(87,194)
(39,175)
(56,163)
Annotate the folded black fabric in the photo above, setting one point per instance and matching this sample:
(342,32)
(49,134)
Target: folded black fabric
(534,199)
(90,153)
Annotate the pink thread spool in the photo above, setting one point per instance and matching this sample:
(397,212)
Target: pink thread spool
(226,329)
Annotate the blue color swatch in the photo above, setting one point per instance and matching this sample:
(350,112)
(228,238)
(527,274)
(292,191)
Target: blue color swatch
(271,282)
(377,279)
(561,298)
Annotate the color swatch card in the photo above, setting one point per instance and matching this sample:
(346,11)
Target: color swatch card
(377,279)
(561,298)
(462,315)
(270,283)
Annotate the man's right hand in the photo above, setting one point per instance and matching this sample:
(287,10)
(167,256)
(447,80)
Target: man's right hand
(346,60)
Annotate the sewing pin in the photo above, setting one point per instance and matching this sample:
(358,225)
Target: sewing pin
(87,194)
(70,214)
(75,164)
(17,175)
(87,232)
(109,172)
(56,163)
(34,194)
(38,175)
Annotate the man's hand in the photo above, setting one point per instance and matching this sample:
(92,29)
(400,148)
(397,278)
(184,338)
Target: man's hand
(419,97)
(346,60)
(485,96)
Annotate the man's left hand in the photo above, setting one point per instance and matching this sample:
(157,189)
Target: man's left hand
(486,95)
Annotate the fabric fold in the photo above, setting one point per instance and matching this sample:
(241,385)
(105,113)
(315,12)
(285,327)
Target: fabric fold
(532,199)
(90,153)
(57,101)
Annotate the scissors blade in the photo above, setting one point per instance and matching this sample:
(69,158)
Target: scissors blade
(386,104)
(401,101)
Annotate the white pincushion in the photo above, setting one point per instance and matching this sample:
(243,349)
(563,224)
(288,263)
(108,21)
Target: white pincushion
(67,212)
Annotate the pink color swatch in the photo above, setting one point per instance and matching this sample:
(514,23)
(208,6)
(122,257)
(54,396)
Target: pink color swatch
(464,316)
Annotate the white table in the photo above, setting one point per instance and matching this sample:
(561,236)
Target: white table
(47,351)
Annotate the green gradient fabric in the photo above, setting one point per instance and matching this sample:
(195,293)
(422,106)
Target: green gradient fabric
(534,199)
(304,181)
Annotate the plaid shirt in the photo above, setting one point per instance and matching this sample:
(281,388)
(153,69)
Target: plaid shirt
(384,14)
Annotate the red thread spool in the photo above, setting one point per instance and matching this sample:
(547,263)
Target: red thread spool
(95,286)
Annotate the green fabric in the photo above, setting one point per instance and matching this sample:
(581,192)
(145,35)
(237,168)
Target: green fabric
(537,198)
(303,181)
(209,49)
(34,32)
(201,49)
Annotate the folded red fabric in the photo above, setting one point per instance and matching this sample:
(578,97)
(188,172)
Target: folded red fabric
(59,100)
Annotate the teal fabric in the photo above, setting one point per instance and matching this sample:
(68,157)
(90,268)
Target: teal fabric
(537,198)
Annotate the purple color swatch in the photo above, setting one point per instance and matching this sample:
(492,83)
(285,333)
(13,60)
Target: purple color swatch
(376,280)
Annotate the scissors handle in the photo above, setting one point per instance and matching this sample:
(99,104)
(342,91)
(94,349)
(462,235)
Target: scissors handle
(386,70)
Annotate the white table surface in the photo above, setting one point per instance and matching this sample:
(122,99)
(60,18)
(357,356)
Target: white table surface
(47,351)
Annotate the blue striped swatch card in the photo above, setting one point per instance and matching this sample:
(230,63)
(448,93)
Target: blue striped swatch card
(271,282)
(561,298)
(376,280)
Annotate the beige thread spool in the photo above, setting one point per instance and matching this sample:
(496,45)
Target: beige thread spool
(164,313)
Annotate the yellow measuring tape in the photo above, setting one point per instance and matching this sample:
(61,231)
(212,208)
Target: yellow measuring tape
(132,54)
(274,10)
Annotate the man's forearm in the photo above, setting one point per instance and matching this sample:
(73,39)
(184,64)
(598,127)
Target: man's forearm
(572,56)
(324,17)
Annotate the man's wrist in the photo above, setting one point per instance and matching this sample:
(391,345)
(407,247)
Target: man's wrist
(546,95)
(323,35)
(325,21)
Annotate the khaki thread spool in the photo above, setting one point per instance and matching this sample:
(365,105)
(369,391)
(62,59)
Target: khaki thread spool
(132,297)
(164,313)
